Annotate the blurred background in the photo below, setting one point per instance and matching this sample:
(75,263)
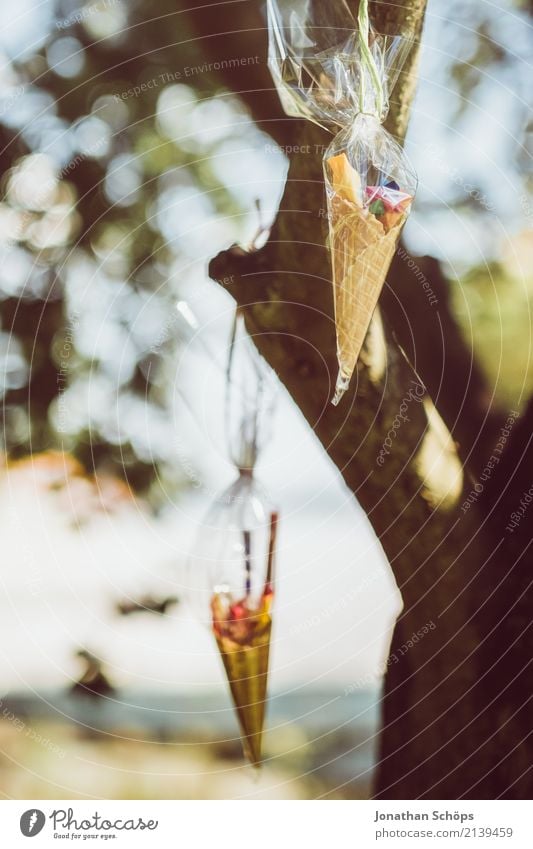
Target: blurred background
(124,168)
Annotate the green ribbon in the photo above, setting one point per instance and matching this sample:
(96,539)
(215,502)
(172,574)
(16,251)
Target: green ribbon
(367,60)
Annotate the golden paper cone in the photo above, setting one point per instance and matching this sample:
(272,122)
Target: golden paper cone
(361,255)
(247,671)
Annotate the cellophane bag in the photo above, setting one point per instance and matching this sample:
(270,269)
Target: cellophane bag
(233,557)
(332,68)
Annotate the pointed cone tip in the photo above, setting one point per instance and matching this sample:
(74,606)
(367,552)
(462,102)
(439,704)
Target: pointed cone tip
(247,673)
(340,388)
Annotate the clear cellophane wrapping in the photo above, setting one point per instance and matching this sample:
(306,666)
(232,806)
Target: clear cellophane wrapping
(331,67)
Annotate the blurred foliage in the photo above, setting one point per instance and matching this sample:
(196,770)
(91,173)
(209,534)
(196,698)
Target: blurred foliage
(112,195)
(103,150)
(494,308)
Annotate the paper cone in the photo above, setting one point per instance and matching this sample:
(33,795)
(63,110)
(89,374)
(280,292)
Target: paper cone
(361,255)
(244,646)
(247,671)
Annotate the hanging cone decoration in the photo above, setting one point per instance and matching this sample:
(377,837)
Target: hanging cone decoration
(363,239)
(243,639)
(333,68)
(231,568)
(242,630)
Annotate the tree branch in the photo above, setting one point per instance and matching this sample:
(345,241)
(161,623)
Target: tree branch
(235,27)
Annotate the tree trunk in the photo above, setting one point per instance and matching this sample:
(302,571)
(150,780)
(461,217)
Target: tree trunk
(438,487)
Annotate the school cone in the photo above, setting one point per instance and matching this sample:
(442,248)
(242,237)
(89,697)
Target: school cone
(362,252)
(243,640)
(362,248)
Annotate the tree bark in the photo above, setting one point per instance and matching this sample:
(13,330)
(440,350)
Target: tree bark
(421,449)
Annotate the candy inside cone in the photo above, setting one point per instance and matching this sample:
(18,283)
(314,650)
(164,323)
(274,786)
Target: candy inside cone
(388,204)
(345,179)
(242,631)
